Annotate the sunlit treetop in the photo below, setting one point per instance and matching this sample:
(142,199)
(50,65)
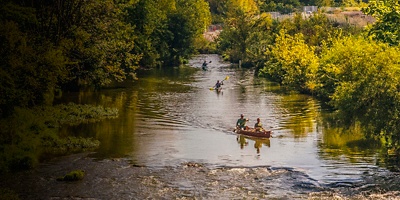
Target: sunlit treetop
(247,6)
(387,25)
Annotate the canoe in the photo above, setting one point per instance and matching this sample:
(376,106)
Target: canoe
(254,133)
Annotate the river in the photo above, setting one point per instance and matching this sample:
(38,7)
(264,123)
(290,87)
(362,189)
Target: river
(174,139)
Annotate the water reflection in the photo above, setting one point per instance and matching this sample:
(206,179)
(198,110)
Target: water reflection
(300,112)
(258,142)
(349,144)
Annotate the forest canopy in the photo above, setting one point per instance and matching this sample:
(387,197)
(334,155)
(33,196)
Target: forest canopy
(56,45)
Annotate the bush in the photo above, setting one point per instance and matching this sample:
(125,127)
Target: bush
(362,77)
(291,62)
(75,175)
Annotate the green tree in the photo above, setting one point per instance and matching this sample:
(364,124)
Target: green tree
(150,21)
(186,23)
(291,62)
(282,6)
(99,44)
(316,29)
(260,38)
(166,30)
(247,6)
(218,9)
(246,33)
(387,25)
(362,79)
(233,40)
(31,65)
(47,45)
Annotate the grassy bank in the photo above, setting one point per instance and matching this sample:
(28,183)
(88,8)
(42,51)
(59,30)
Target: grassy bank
(29,135)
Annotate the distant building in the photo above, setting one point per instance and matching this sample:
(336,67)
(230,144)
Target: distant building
(310,9)
(214,27)
(275,15)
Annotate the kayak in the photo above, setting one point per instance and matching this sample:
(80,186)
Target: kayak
(254,133)
(216,89)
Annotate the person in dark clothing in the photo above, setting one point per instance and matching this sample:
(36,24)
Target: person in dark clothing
(204,66)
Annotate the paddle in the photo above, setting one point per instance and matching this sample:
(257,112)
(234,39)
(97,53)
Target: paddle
(226,78)
(222,82)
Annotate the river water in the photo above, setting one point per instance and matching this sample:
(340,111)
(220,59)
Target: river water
(173,139)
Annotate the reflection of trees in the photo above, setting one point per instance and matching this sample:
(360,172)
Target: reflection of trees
(139,105)
(339,141)
(301,112)
(115,135)
(350,140)
(243,76)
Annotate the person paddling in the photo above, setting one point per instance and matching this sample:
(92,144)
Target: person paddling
(258,126)
(204,66)
(241,123)
(218,85)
